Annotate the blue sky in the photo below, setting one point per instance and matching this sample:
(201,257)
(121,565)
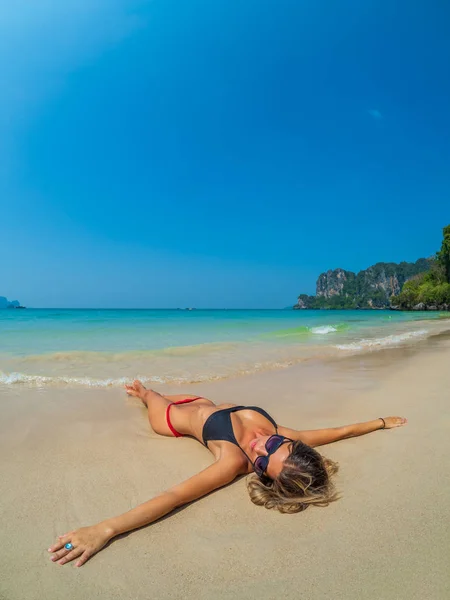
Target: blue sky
(217,154)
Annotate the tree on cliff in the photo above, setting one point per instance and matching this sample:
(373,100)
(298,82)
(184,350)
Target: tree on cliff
(443,256)
(429,290)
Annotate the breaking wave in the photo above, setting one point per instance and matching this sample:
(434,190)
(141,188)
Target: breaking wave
(40,381)
(383,342)
(305,331)
(324,329)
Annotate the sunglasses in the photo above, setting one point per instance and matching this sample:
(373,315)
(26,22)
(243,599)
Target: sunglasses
(273,443)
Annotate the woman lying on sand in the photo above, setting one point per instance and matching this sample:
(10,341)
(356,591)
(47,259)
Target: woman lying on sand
(289,474)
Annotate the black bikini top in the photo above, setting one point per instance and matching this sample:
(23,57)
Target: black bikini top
(218,426)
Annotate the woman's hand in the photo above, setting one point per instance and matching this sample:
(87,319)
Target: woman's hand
(391,422)
(86,542)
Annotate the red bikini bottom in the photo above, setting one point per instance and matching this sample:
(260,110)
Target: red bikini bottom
(171,427)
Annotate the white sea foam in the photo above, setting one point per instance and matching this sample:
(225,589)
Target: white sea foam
(323,329)
(42,380)
(45,381)
(390,340)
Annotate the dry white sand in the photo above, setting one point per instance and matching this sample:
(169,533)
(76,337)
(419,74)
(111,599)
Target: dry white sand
(70,458)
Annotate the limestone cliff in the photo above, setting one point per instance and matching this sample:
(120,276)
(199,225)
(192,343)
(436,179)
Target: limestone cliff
(370,288)
(332,283)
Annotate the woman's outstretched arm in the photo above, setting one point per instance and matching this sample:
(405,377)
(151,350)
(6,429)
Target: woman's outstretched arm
(87,541)
(320,437)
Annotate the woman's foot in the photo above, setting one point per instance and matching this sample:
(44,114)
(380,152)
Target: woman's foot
(137,390)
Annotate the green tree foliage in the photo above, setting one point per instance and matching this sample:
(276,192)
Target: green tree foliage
(431,288)
(443,256)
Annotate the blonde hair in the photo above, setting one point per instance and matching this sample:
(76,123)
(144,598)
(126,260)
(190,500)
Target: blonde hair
(303,481)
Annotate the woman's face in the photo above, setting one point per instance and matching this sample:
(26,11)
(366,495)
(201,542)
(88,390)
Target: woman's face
(276,460)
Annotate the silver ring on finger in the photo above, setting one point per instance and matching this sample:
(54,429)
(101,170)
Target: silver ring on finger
(68,546)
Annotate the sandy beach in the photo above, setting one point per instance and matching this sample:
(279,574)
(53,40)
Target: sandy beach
(74,457)
(246,202)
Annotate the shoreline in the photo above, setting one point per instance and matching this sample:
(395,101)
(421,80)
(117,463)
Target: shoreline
(71,457)
(215,361)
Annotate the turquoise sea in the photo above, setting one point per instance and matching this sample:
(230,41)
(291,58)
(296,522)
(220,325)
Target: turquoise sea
(48,347)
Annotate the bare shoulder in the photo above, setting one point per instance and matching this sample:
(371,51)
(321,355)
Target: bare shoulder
(230,457)
(311,438)
(293,434)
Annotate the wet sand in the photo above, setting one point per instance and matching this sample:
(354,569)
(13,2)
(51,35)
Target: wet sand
(70,458)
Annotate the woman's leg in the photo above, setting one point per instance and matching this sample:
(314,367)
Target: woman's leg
(156,406)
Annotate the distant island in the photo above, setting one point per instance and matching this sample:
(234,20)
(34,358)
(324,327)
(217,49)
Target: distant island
(5,303)
(423,285)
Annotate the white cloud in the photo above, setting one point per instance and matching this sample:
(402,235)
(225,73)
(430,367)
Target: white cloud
(375,114)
